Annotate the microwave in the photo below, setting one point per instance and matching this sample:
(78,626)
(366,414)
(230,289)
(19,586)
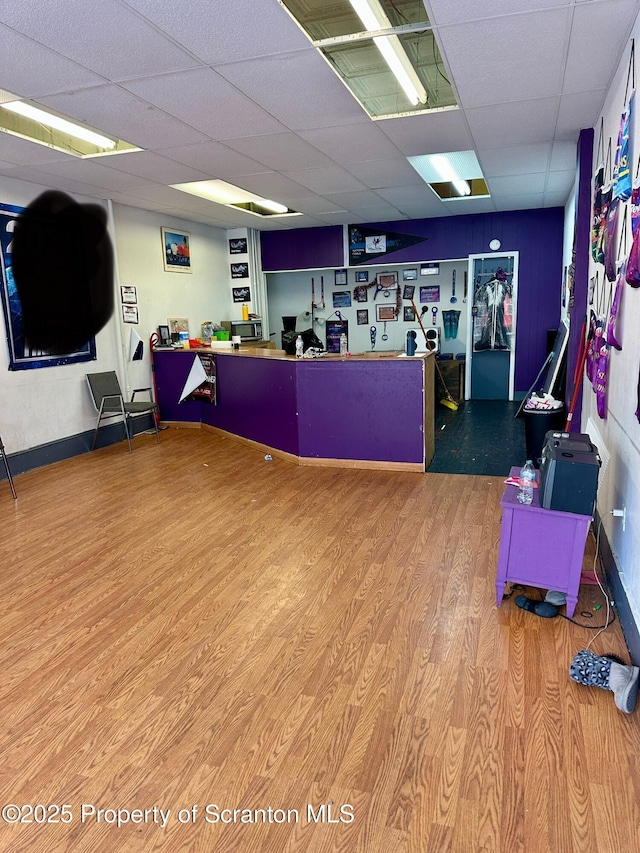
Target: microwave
(249,330)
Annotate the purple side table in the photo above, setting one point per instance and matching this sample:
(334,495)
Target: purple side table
(540,547)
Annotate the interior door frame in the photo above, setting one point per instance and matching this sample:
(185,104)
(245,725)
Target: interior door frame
(514,314)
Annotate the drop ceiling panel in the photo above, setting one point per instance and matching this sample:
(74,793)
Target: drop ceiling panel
(299,89)
(355,200)
(315,204)
(327,179)
(515,160)
(206,101)
(445,12)
(429,134)
(46,179)
(513,124)
(599,30)
(513,184)
(563,156)
(93,172)
(31,70)
(280,151)
(520,202)
(154,167)
(560,181)
(531,47)
(119,113)
(275,186)
(225,32)
(579,110)
(215,159)
(105,37)
(385,173)
(352,143)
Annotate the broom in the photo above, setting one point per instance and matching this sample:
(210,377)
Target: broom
(447,400)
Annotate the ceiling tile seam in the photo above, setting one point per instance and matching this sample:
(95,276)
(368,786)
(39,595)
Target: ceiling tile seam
(62,56)
(548,10)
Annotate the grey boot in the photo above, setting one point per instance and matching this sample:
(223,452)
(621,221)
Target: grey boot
(598,671)
(623,680)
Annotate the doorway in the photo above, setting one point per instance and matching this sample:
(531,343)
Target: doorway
(491,327)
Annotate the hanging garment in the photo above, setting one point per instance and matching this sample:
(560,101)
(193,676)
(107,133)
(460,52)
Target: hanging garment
(622,165)
(492,297)
(633,263)
(611,239)
(614,312)
(602,377)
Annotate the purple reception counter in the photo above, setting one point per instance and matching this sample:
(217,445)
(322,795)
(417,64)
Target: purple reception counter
(363,411)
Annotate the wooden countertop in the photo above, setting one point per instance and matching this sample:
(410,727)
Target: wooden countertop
(281,355)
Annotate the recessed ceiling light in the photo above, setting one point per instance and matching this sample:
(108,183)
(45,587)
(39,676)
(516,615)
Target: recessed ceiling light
(222,192)
(452,176)
(44,127)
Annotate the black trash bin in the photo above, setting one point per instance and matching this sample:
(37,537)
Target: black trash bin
(537,423)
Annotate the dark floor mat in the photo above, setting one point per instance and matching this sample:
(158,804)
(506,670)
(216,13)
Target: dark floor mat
(482,437)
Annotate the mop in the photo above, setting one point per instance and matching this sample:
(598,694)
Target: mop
(447,400)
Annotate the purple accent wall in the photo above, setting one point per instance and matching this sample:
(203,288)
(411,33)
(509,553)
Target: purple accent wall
(582,243)
(536,234)
(352,409)
(302,248)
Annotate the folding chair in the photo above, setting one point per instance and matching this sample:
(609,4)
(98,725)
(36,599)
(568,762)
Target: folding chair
(8,470)
(109,402)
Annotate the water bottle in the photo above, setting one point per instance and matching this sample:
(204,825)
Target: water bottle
(299,347)
(527,479)
(343,344)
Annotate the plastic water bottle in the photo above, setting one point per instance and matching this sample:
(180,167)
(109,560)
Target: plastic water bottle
(527,479)
(343,344)
(299,347)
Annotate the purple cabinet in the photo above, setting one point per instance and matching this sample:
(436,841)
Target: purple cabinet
(540,547)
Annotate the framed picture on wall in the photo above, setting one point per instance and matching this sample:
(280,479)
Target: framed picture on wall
(362,275)
(176,250)
(238,246)
(129,313)
(241,294)
(341,299)
(409,275)
(362,316)
(386,313)
(128,295)
(239,270)
(340,277)
(409,315)
(430,293)
(409,290)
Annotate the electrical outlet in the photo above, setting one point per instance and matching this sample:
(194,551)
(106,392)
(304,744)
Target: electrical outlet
(621,513)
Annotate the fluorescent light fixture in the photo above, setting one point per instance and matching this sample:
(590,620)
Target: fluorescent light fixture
(58,123)
(453,175)
(374,18)
(221,192)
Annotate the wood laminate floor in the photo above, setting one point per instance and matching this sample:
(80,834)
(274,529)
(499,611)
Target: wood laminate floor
(191,628)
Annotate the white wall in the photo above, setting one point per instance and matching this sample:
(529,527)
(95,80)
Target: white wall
(202,295)
(289,294)
(45,405)
(619,432)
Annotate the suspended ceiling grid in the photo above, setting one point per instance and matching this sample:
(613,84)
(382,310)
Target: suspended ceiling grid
(236,91)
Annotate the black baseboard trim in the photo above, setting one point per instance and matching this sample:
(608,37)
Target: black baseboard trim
(66,448)
(623,609)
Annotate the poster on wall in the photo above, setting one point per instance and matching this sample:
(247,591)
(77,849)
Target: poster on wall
(430,293)
(241,294)
(239,270)
(176,250)
(21,355)
(238,246)
(334,329)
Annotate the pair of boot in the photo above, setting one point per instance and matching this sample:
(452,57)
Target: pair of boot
(609,673)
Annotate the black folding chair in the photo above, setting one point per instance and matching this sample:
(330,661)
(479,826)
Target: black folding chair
(109,402)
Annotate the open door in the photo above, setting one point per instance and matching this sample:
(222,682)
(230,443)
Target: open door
(491,335)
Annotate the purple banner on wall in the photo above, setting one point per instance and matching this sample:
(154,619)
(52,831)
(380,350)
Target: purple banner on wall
(302,249)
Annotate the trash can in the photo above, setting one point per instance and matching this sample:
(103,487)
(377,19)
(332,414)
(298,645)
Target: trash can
(537,423)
